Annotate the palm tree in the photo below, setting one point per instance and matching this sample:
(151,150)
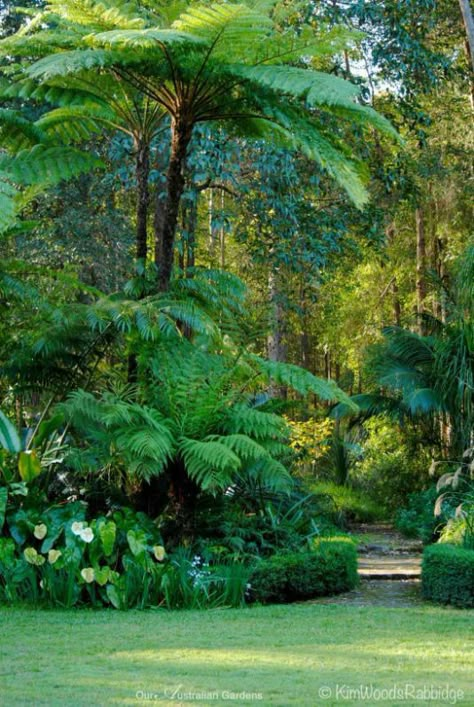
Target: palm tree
(226,63)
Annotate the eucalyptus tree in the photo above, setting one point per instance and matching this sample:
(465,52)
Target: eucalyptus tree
(225,63)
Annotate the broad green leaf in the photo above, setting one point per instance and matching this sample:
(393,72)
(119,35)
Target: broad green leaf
(29,465)
(102,575)
(9,438)
(3,504)
(137,542)
(113,596)
(107,533)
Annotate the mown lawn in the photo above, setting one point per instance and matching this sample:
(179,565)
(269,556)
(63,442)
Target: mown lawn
(302,654)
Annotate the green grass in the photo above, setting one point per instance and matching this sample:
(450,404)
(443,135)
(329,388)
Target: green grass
(286,653)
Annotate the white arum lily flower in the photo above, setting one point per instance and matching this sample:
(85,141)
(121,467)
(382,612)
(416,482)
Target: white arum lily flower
(53,556)
(88,574)
(87,535)
(77,527)
(32,557)
(40,531)
(159,552)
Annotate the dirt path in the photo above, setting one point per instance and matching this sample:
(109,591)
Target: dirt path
(389,569)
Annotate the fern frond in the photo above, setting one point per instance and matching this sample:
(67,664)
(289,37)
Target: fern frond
(229,27)
(47,165)
(142,38)
(73,62)
(100,15)
(243,419)
(314,87)
(244,447)
(74,123)
(210,464)
(300,380)
(17,133)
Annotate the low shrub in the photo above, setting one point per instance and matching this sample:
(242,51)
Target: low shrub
(58,556)
(393,464)
(447,575)
(330,568)
(417,519)
(349,505)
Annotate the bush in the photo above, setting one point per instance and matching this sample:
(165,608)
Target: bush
(349,505)
(447,575)
(393,466)
(330,568)
(418,520)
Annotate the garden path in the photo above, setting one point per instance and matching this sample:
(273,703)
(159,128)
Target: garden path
(389,569)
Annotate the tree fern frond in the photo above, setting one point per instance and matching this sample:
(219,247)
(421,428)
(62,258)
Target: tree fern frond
(300,380)
(47,165)
(147,444)
(243,419)
(227,26)
(73,62)
(210,464)
(17,132)
(285,129)
(314,87)
(247,449)
(101,15)
(74,123)
(142,38)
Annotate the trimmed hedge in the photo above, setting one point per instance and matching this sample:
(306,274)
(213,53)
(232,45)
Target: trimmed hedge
(330,568)
(447,575)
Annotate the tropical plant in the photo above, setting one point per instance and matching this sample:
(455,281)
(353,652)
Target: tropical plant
(29,162)
(221,63)
(457,492)
(196,421)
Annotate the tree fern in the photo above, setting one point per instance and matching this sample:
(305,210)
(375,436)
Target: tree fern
(214,63)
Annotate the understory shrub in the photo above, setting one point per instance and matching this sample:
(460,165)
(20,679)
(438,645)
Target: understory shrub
(59,557)
(330,568)
(417,519)
(447,575)
(349,505)
(393,464)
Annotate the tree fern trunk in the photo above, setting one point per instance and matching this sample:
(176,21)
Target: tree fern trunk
(142,166)
(165,227)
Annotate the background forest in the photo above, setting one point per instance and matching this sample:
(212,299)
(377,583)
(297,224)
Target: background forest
(236,294)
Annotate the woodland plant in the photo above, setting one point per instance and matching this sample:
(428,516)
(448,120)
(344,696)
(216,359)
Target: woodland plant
(229,64)
(194,425)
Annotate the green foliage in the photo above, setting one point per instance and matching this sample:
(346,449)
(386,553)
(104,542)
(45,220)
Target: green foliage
(417,519)
(448,575)
(9,438)
(392,465)
(348,504)
(330,568)
(231,59)
(54,556)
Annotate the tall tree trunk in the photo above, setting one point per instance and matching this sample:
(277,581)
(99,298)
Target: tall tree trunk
(421,288)
(191,226)
(397,308)
(165,224)
(469,27)
(275,346)
(142,166)
(276,350)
